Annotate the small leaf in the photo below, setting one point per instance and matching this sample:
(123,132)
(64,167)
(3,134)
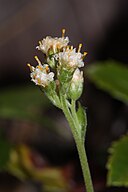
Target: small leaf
(81,114)
(111,77)
(50,91)
(118,163)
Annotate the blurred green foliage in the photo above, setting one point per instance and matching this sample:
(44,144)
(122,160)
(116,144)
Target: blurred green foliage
(27,103)
(112,77)
(19,103)
(23,103)
(22,165)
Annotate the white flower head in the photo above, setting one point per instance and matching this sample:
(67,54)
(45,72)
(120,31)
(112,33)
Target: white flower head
(53,44)
(71,58)
(40,74)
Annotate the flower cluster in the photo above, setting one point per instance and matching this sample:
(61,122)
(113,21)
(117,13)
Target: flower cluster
(64,61)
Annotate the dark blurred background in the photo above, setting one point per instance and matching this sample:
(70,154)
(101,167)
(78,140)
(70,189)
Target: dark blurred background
(102,27)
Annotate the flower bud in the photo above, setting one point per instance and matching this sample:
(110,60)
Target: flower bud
(76,85)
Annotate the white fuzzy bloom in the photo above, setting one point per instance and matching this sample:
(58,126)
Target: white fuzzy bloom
(71,58)
(41,76)
(52,43)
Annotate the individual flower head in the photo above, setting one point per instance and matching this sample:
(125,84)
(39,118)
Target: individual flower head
(40,74)
(76,85)
(70,58)
(51,45)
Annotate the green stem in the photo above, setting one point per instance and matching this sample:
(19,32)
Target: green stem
(68,115)
(73,123)
(85,167)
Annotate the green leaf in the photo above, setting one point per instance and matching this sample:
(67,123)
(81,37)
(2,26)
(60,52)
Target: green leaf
(111,77)
(23,103)
(50,91)
(81,114)
(118,163)
(5,148)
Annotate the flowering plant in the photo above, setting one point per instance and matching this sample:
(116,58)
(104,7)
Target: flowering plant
(60,78)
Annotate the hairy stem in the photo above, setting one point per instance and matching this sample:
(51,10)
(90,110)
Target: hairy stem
(74,125)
